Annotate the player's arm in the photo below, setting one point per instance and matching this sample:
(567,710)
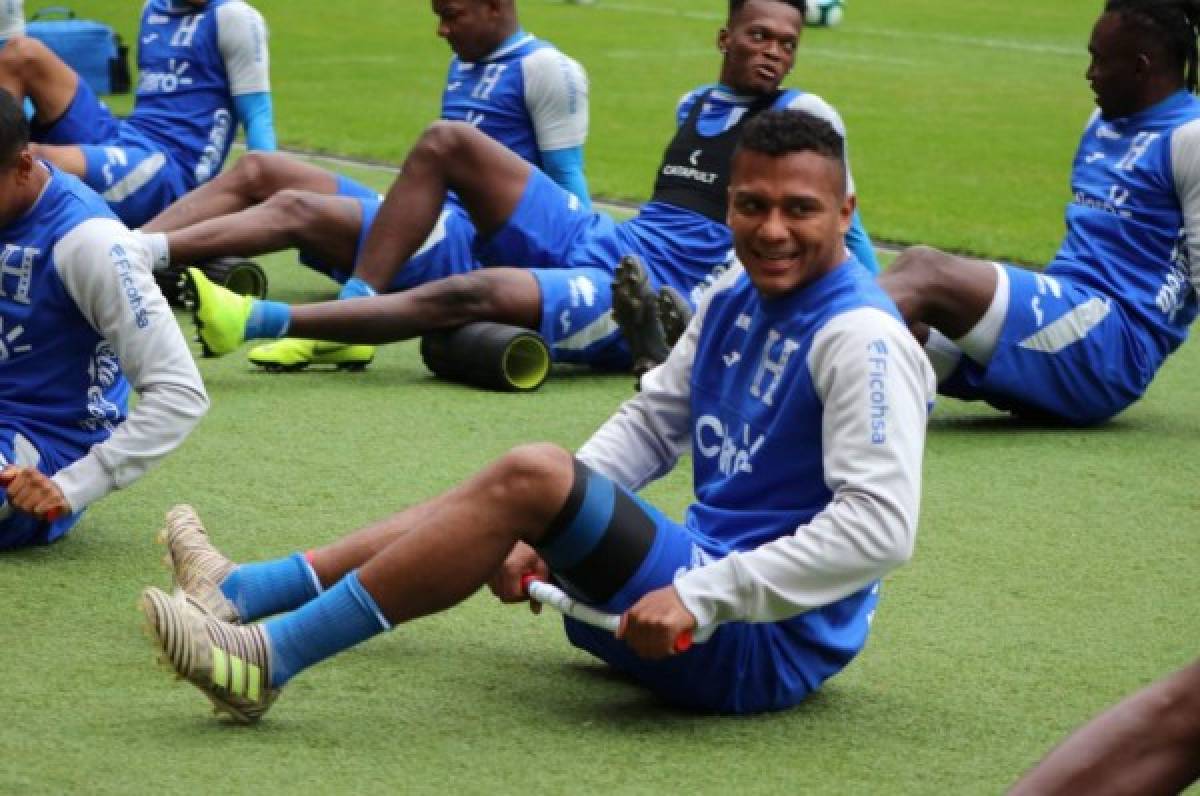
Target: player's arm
(648,434)
(1185,163)
(556,96)
(857,239)
(242,40)
(876,388)
(106,272)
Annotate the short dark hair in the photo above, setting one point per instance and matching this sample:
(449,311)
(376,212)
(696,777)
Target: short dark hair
(736,6)
(784,132)
(1173,23)
(14,129)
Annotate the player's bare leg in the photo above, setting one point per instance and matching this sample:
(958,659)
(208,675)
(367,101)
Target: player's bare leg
(451,549)
(1146,744)
(30,69)
(322,225)
(504,295)
(933,288)
(254,178)
(488,178)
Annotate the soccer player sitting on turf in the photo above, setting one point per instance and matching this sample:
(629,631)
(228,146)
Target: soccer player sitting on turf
(202,70)
(514,87)
(802,399)
(1146,744)
(567,255)
(1081,341)
(81,321)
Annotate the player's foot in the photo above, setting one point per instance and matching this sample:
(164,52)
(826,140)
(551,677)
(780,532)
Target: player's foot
(633,302)
(220,315)
(293,353)
(674,313)
(229,663)
(197,566)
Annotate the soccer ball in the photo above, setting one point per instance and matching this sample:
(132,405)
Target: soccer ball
(824,13)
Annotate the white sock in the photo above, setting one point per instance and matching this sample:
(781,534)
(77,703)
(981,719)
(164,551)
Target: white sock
(980,343)
(943,354)
(160,253)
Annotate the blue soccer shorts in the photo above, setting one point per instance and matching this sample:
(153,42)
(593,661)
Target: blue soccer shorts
(137,178)
(1065,353)
(608,548)
(446,251)
(551,229)
(18,529)
(577,320)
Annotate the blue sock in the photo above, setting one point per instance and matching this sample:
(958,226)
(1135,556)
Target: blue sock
(269,319)
(356,288)
(270,587)
(340,618)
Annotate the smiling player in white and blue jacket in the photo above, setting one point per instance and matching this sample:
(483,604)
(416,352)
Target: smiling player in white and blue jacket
(802,399)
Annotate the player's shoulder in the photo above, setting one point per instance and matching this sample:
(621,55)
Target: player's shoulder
(238,12)
(540,55)
(71,196)
(689,98)
(93,233)
(796,100)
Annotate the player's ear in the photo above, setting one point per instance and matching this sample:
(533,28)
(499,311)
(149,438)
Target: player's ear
(1143,63)
(846,213)
(723,40)
(24,164)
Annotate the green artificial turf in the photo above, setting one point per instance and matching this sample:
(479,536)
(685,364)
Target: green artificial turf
(1053,567)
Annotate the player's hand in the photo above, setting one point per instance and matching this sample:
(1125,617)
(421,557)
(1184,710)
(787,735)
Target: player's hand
(654,622)
(506,582)
(31,491)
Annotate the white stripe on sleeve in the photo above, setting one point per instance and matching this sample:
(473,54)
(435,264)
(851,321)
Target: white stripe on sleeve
(1185,163)
(556,94)
(242,39)
(106,271)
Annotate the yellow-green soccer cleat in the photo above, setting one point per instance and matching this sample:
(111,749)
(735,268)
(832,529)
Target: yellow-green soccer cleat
(197,566)
(293,353)
(220,315)
(229,663)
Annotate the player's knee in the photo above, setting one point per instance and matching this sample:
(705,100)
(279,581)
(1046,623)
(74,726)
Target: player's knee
(526,477)
(443,142)
(253,176)
(297,205)
(290,212)
(24,56)
(919,263)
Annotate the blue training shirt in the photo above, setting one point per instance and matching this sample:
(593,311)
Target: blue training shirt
(58,377)
(804,415)
(527,95)
(81,324)
(191,63)
(1135,184)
